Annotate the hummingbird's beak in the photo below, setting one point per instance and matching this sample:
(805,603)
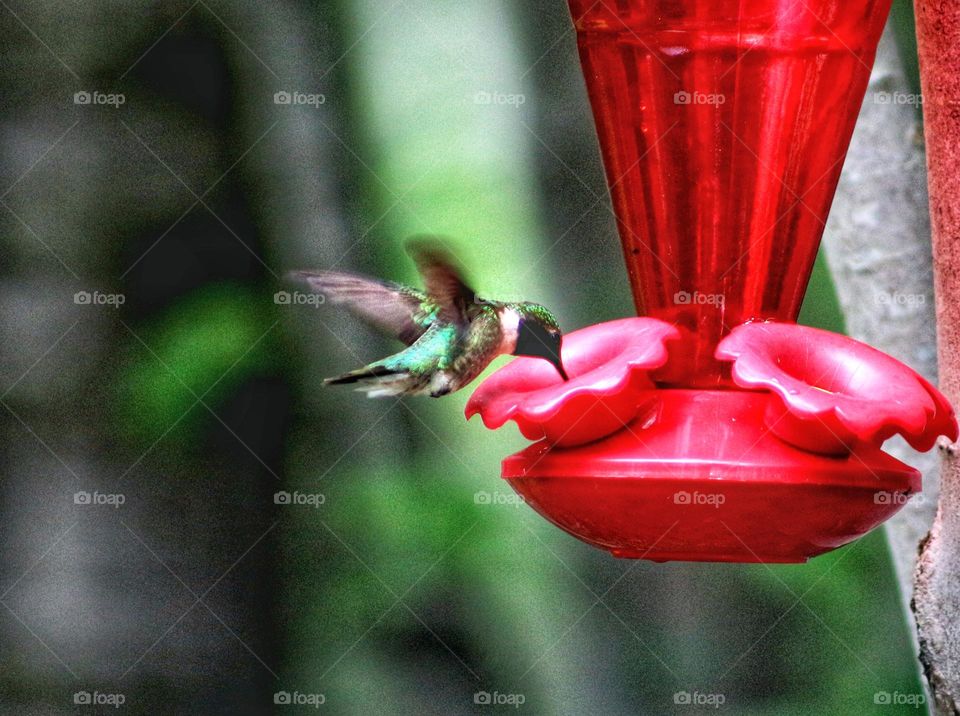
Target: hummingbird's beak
(533,339)
(558,364)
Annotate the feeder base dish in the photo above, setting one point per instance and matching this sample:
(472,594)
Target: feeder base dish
(703,479)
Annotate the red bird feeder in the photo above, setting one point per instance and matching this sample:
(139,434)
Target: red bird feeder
(715,428)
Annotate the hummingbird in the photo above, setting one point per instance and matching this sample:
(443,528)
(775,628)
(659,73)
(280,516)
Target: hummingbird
(451,334)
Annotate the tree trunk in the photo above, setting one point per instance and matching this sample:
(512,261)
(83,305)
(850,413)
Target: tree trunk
(878,249)
(936,587)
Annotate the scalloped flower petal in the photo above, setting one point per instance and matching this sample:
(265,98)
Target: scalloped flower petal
(834,391)
(608,365)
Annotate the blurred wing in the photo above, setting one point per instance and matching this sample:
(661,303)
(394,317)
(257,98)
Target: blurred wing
(395,310)
(443,278)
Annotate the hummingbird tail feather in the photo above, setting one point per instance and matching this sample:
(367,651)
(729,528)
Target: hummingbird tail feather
(362,374)
(376,381)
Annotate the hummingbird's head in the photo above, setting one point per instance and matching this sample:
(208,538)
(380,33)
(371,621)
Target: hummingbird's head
(538,335)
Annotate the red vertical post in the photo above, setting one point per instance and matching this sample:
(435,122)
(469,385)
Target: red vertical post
(936,595)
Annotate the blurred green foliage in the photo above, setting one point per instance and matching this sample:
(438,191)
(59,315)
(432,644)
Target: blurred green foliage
(204,345)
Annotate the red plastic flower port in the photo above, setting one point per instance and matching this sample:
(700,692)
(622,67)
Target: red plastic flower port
(830,392)
(608,387)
